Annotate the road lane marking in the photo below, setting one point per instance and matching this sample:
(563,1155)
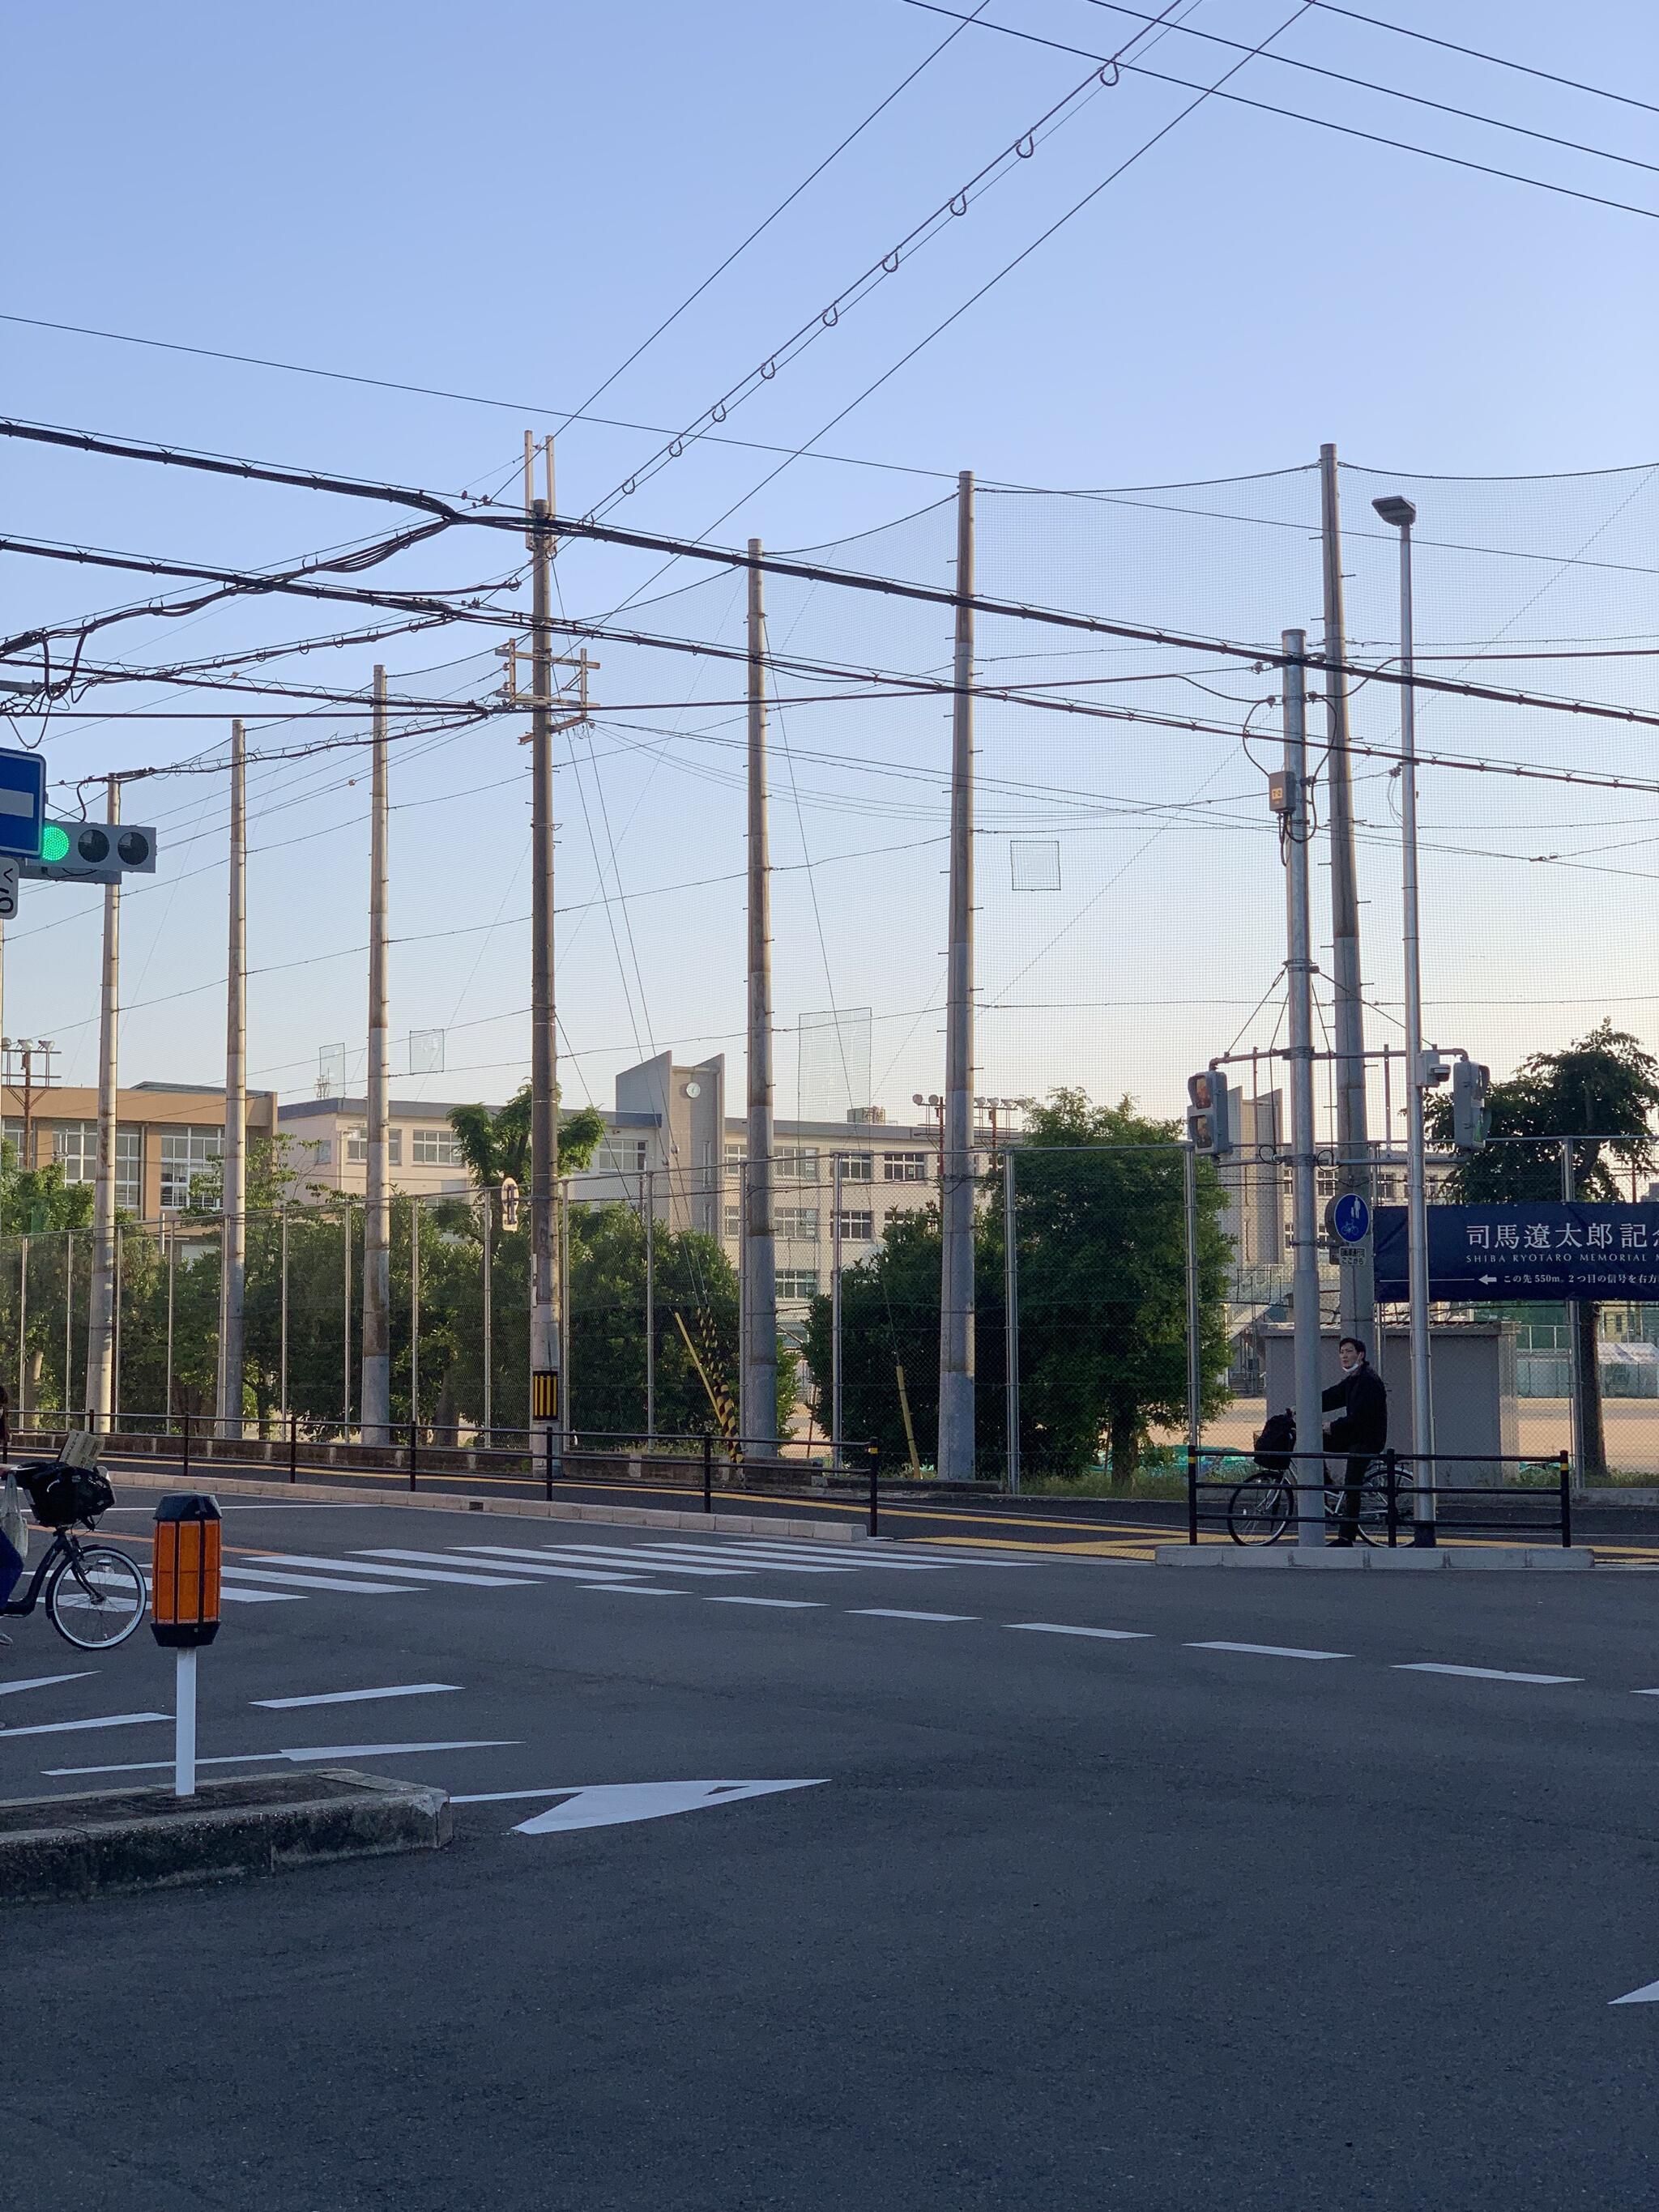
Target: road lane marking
(893,1613)
(607,1805)
(1648,1994)
(66,1727)
(280,1597)
(308,1581)
(1059,1628)
(355,1697)
(1478,1673)
(619,1558)
(790,1604)
(635,1590)
(517,1563)
(1270,1650)
(364,1563)
(300,1754)
(44,1681)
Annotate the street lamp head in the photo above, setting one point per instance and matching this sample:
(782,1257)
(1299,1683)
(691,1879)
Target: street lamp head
(1397,512)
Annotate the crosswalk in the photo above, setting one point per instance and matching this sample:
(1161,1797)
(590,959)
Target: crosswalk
(652,1568)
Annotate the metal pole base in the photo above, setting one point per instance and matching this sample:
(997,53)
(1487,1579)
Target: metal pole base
(1423,1539)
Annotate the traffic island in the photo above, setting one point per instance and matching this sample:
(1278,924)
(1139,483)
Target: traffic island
(105,1842)
(1367,1558)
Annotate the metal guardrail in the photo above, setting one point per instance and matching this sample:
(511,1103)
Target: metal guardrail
(576,1458)
(1401,1490)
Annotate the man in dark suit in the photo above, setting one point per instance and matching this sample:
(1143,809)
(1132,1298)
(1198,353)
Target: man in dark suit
(1361,1430)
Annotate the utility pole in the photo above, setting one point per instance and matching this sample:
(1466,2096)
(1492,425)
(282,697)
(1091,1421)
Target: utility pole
(1310,1467)
(757,1417)
(546,1405)
(233,1224)
(954,1457)
(648,1178)
(376,1394)
(100,1304)
(1358,1289)
(414,1309)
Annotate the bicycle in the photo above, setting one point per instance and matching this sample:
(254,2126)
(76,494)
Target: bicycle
(95,1596)
(1263,1506)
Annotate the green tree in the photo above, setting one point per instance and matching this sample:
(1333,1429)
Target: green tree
(1604,1086)
(1103,1301)
(495,1144)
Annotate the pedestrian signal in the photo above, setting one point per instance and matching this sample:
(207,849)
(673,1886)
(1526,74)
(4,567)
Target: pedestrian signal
(1471,1085)
(1209,1112)
(509,1203)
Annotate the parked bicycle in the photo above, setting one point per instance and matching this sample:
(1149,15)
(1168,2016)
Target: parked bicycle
(1263,1506)
(94,1595)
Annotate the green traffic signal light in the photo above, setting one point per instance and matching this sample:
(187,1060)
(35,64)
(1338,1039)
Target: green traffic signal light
(54,842)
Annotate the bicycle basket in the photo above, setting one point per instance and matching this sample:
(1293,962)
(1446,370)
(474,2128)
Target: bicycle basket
(60,1496)
(1274,1442)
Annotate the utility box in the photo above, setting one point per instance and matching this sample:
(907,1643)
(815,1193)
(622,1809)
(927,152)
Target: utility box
(1471,1379)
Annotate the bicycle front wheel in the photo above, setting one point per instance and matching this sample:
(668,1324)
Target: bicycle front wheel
(96,1598)
(1261,1510)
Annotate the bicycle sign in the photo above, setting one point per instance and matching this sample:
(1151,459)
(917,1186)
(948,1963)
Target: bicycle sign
(1348,1219)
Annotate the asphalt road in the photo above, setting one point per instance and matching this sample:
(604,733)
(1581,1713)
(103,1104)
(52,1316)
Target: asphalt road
(1237,1901)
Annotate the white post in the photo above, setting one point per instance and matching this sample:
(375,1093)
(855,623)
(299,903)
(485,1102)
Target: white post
(233,1216)
(184,1723)
(1309,1464)
(954,1457)
(375,1395)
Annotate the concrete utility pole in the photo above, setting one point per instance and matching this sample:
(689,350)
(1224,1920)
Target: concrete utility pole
(954,1459)
(757,1415)
(232,1229)
(376,1395)
(1357,1288)
(1309,1471)
(101,1305)
(546,1401)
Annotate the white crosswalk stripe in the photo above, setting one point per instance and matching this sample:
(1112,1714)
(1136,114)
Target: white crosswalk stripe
(363,1563)
(623,1559)
(485,1555)
(308,1581)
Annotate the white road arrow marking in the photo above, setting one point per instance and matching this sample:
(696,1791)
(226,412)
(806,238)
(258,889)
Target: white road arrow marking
(607,1804)
(1648,1994)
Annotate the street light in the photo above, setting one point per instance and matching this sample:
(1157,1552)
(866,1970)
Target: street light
(1399,514)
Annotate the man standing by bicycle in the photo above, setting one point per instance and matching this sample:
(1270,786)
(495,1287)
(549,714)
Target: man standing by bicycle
(1361,1431)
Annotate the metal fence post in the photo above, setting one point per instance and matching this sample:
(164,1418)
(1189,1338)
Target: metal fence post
(186,1469)
(1192,1495)
(708,1474)
(875,1460)
(411,1455)
(1566,1500)
(1391,1481)
(294,1447)
(547,1461)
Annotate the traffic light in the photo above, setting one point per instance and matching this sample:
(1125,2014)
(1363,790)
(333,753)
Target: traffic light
(91,853)
(509,1203)
(1209,1112)
(1471,1083)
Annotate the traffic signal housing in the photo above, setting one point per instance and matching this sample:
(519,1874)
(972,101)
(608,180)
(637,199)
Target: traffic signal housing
(91,853)
(1470,1088)
(1209,1112)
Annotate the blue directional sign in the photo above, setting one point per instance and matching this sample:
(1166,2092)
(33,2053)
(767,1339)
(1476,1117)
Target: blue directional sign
(1541,1251)
(22,803)
(1349,1217)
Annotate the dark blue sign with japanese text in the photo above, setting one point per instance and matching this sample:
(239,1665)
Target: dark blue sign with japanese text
(1541,1250)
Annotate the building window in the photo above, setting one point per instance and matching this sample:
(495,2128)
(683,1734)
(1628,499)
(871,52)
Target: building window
(798,1163)
(906,1167)
(858,1228)
(130,1170)
(801,1221)
(356,1151)
(797,1282)
(75,1148)
(858,1167)
(734,1221)
(735,1154)
(620,1156)
(436,1148)
(321,1150)
(186,1154)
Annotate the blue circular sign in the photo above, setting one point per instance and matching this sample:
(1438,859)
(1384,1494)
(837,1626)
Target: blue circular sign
(1350,1217)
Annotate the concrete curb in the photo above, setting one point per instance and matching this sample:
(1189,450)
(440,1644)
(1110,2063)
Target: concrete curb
(1463,1558)
(525,1508)
(108,1841)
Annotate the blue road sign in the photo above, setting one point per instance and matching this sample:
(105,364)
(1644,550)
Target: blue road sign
(1541,1251)
(22,803)
(1350,1217)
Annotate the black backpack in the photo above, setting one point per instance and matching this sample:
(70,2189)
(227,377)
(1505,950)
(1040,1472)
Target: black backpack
(60,1496)
(1274,1442)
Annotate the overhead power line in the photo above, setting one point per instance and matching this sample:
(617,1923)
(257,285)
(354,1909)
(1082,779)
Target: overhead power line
(1475,53)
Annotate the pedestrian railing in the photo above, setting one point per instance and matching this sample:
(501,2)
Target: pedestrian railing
(1398,1498)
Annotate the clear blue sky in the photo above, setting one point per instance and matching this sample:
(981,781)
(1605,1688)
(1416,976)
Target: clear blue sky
(505,200)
